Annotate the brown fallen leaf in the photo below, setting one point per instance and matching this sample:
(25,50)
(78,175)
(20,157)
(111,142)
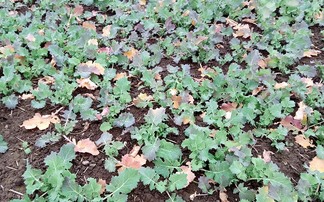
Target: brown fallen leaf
(86,83)
(89,25)
(300,113)
(93,42)
(267,156)
(317,164)
(129,161)
(91,67)
(228,107)
(47,80)
(176,101)
(303,141)
(290,123)
(142,2)
(103,185)
(86,146)
(120,75)
(142,97)
(242,30)
(40,122)
(78,10)
(223,196)
(187,170)
(131,53)
(310,53)
(27,96)
(106,31)
(257,90)
(281,85)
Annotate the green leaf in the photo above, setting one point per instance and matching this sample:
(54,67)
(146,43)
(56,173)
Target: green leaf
(177,181)
(124,120)
(10,101)
(275,110)
(110,164)
(47,138)
(169,151)
(149,150)
(3,145)
(319,151)
(124,183)
(155,116)
(32,179)
(220,172)
(92,189)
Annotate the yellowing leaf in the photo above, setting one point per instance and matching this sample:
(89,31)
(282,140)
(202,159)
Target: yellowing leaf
(131,53)
(142,97)
(317,164)
(303,141)
(311,53)
(86,146)
(40,122)
(106,31)
(91,67)
(86,83)
(89,25)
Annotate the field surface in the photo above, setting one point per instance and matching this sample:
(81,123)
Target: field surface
(172,100)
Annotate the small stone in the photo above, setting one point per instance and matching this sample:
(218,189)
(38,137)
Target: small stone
(85,163)
(93,164)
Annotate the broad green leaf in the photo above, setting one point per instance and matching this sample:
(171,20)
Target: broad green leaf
(169,151)
(149,150)
(177,181)
(10,101)
(124,120)
(124,183)
(220,172)
(155,116)
(32,179)
(92,189)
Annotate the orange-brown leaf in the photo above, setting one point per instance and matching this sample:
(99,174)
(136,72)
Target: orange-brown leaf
(303,141)
(310,53)
(89,25)
(106,31)
(40,122)
(317,164)
(86,146)
(187,170)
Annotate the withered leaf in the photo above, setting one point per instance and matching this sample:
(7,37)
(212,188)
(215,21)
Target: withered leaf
(86,146)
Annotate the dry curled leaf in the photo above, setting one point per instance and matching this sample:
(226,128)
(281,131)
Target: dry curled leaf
(93,42)
(242,30)
(86,146)
(27,96)
(317,164)
(303,141)
(40,122)
(142,97)
(176,101)
(91,67)
(290,123)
